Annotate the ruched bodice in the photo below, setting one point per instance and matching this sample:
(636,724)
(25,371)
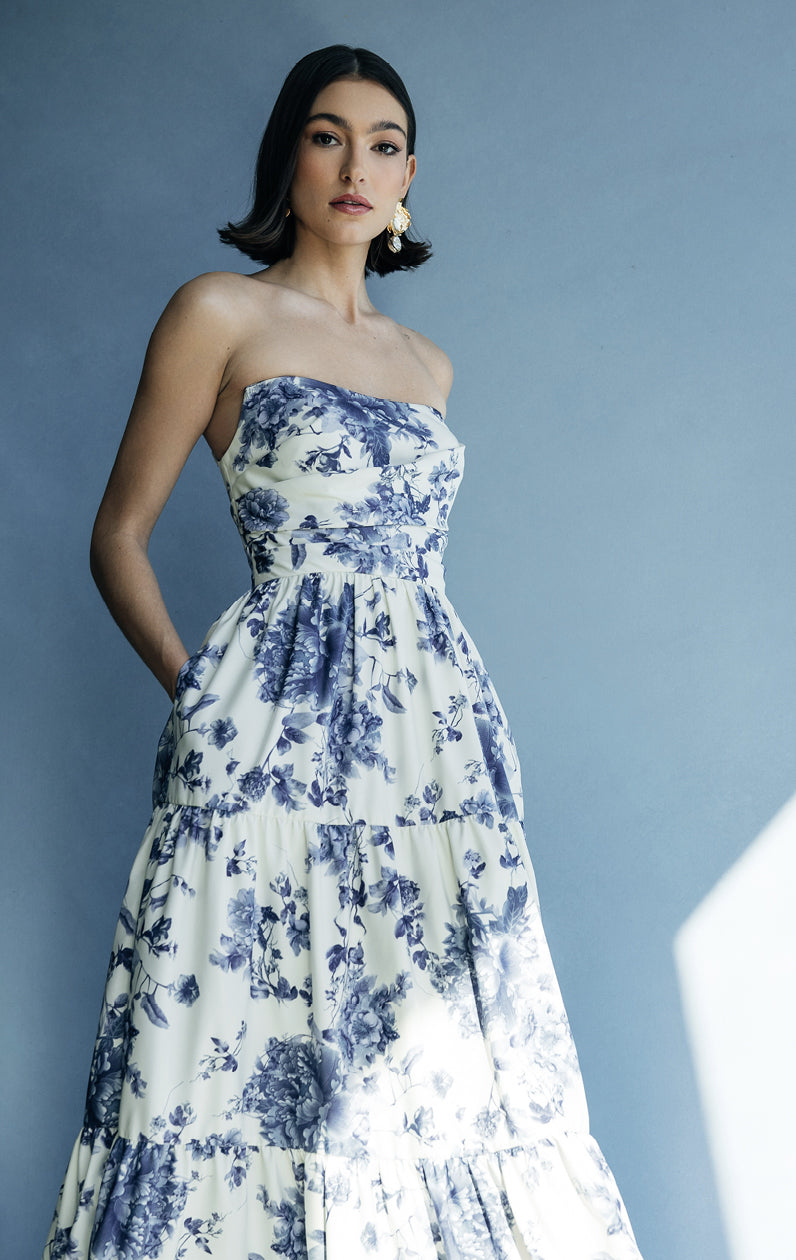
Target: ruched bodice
(323,479)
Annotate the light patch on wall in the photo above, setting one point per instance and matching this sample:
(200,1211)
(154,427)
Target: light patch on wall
(736,958)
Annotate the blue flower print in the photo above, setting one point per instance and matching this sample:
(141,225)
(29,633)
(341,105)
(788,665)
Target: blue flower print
(254,783)
(148,1198)
(288,1216)
(368,1020)
(186,990)
(262,511)
(291,1090)
(105,1086)
(221,732)
(243,917)
(264,423)
(354,738)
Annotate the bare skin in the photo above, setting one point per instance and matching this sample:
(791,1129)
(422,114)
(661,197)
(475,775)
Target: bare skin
(308,315)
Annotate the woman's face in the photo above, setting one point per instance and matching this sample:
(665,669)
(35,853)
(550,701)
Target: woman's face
(352,166)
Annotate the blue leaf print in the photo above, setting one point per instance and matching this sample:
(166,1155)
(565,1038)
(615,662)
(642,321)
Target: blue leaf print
(153,1011)
(514,908)
(127,921)
(392,702)
(158,935)
(204,702)
(287,790)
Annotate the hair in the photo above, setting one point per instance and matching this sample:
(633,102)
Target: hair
(267,233)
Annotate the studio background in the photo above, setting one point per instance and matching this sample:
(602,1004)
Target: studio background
(609,188)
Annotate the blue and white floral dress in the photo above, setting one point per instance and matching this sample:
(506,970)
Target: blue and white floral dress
(331,1028)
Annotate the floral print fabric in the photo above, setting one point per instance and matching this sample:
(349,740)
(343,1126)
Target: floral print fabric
(331,1027)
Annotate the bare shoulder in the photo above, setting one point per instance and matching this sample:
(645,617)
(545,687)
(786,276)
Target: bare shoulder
(214,296)
(207,319)
(434,360)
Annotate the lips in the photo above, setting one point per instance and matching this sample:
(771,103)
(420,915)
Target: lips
(351,204)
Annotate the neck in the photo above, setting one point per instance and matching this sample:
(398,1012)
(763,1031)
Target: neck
(332,273)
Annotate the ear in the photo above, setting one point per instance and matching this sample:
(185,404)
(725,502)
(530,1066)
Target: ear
(411,168)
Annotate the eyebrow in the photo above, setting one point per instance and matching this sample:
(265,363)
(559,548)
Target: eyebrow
(337,121)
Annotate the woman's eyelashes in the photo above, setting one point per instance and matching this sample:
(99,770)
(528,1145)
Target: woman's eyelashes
(328,140)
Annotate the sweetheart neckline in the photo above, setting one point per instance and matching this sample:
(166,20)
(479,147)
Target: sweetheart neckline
(313,380)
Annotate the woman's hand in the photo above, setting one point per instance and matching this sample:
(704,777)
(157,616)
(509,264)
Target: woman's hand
(180,382)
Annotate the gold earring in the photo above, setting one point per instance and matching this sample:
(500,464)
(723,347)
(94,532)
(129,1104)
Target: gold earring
(397,226)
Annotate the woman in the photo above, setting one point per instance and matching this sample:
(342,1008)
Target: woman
(331,1025)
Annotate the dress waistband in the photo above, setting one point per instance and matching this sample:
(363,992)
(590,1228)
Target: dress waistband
(410,553)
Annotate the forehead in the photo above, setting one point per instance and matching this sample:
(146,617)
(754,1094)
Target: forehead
(361,101)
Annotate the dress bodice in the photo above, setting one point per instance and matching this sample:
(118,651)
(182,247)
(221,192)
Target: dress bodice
(323,478)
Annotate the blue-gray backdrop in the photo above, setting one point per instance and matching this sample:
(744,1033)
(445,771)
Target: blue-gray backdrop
(609,185)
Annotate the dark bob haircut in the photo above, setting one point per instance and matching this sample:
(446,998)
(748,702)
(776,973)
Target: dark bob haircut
(266,234)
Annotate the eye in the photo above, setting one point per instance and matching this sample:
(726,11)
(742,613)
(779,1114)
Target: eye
(324,139)
(387,146)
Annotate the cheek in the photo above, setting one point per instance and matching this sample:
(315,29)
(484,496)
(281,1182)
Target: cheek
(401,175)
(310,170)
(388,179)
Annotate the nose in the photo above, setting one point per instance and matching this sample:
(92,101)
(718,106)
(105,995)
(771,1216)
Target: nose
(352,167)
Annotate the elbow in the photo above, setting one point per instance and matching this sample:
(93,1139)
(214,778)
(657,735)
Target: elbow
(99,556)
(95,554)
(112,548)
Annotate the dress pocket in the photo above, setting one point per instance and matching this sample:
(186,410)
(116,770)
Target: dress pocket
(184,675)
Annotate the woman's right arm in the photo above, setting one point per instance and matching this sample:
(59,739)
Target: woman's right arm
(182,374)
